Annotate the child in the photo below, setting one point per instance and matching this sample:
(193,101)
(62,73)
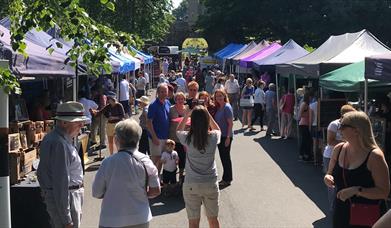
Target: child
(169,159)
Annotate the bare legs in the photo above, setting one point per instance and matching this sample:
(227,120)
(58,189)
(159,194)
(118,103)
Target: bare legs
(213,223)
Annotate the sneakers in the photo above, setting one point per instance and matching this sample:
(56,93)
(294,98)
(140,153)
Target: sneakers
(224,183)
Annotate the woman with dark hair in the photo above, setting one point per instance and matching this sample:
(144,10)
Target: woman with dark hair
(200,186)
(304,129)
(204,99)
(224,118)
(359,173)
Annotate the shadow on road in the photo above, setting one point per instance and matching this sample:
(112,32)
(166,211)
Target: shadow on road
(162,205)
(305,176)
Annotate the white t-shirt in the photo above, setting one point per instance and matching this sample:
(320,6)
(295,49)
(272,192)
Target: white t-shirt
(146,76)
(170,160)
(88,104)
(333,126)
(141,83)
(120,182)
(314,110)
(232,86)
(124,90)
(218,86)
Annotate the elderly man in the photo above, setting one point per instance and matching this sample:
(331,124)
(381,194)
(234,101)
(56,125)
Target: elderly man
(233,89)
(60,172)
(125,181)
(271,110)
(158,123)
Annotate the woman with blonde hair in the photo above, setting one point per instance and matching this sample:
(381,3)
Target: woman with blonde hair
(248,93)
(176,111)
(359,173)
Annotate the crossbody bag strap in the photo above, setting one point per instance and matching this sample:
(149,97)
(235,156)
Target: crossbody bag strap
(138,159)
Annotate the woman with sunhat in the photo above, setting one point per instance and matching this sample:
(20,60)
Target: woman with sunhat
(143,145)
(114,112)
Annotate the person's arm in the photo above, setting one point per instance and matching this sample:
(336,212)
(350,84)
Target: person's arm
(331,138)
(99,184)
(230,123)
(384,221)
(212,123)
(328,177)
(153,189)
(61,161)
(151,131)
(301,110)
(379,170)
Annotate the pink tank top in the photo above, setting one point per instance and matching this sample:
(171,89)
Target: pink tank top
(305,117)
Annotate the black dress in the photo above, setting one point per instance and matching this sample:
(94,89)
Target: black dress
(360,176)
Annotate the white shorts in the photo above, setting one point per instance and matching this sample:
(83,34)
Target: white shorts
(155,150)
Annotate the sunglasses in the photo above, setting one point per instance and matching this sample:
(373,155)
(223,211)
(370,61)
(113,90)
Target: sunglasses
(343,126)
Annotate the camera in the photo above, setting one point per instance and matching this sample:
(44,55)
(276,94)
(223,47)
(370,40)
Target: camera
(200,102)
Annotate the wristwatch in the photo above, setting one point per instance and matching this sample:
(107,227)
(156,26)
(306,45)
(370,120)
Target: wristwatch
(359,191)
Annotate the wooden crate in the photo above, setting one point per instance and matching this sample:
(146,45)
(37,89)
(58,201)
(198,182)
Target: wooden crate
(14,142)
(27,158)
(14,167)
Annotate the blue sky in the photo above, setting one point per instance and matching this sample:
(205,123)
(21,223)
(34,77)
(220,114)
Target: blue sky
(176,3)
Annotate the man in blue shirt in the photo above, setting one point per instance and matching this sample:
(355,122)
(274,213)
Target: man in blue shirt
(158,123)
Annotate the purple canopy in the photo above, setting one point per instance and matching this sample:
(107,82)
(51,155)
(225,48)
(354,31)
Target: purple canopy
(38,63)
(378,67)
(247,62)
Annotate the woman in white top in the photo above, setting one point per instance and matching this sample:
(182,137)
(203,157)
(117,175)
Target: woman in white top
(200,186)
(259,103)
(333,138)
(125,181)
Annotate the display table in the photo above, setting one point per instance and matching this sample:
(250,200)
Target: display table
(27,206)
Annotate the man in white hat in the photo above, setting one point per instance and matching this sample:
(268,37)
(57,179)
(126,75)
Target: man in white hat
(60,172)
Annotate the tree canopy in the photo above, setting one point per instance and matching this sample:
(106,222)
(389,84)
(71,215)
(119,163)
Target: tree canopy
(111,23)
(306,21)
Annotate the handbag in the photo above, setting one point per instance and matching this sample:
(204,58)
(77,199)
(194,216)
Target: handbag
(361,214)
(247,102)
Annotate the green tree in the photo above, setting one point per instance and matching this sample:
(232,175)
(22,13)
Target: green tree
(91,39)
(180,13)
(149,19)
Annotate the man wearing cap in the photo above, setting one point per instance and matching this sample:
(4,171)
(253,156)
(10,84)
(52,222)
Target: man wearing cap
(60,172)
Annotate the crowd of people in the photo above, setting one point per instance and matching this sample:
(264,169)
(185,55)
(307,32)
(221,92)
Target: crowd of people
(181,130)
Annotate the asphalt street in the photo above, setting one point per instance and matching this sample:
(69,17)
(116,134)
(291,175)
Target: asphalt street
(271,188)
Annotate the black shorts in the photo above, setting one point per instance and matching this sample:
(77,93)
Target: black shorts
(143,145)
(126,106)
(140,93)
(169,177)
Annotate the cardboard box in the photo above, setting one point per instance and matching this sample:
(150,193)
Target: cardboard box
(14,166)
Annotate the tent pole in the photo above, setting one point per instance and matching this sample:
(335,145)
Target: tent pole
(366,96)
(278,104)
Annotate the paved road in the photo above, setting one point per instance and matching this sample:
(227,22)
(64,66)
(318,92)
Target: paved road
(270,189)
